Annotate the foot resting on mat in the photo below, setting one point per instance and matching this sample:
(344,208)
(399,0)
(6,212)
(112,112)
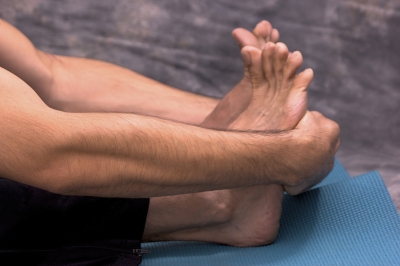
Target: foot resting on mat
(250,216)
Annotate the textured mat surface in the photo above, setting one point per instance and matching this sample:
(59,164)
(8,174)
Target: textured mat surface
(337,174)
(353,222)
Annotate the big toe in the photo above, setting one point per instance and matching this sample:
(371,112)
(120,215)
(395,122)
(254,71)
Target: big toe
(244,38)
(263,31)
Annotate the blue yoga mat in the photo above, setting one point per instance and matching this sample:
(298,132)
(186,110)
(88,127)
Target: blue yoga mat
(346,222)
(337,174)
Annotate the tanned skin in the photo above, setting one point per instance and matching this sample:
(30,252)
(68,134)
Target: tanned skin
(128,155)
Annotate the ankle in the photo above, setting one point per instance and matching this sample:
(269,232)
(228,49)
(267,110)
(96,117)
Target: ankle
(220,206)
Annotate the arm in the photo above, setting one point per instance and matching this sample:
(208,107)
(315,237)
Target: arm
(64,83)
(125,155)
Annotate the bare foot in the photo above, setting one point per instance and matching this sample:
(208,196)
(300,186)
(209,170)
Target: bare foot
(279,99)
(250,216)
(237,100)
(161,220)
(279,102)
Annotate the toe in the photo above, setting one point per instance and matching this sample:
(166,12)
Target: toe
(292,65)
(263,31)
(279,60)
(253,64)
(303,80)
(274,37)
(244,38)
(267,58)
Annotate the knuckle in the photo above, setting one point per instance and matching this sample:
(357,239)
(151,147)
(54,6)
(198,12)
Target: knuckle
(335,127)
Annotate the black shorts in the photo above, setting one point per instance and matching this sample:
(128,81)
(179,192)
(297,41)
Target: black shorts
(41,228)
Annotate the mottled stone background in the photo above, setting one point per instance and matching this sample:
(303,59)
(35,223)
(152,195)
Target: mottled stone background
(352,45)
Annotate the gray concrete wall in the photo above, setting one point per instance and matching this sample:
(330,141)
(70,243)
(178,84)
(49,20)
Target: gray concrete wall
(352,45)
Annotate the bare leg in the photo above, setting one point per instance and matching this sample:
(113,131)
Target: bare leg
(85,85)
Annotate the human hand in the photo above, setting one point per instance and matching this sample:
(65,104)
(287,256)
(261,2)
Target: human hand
(316,142)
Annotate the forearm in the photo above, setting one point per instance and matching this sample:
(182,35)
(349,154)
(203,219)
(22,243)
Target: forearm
(120,155)
(123,155)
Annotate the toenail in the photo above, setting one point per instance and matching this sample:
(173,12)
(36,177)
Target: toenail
(295,53)
(276,48)
(266,46)
(309,70)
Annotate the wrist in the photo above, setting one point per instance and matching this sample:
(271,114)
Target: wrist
(268,157)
